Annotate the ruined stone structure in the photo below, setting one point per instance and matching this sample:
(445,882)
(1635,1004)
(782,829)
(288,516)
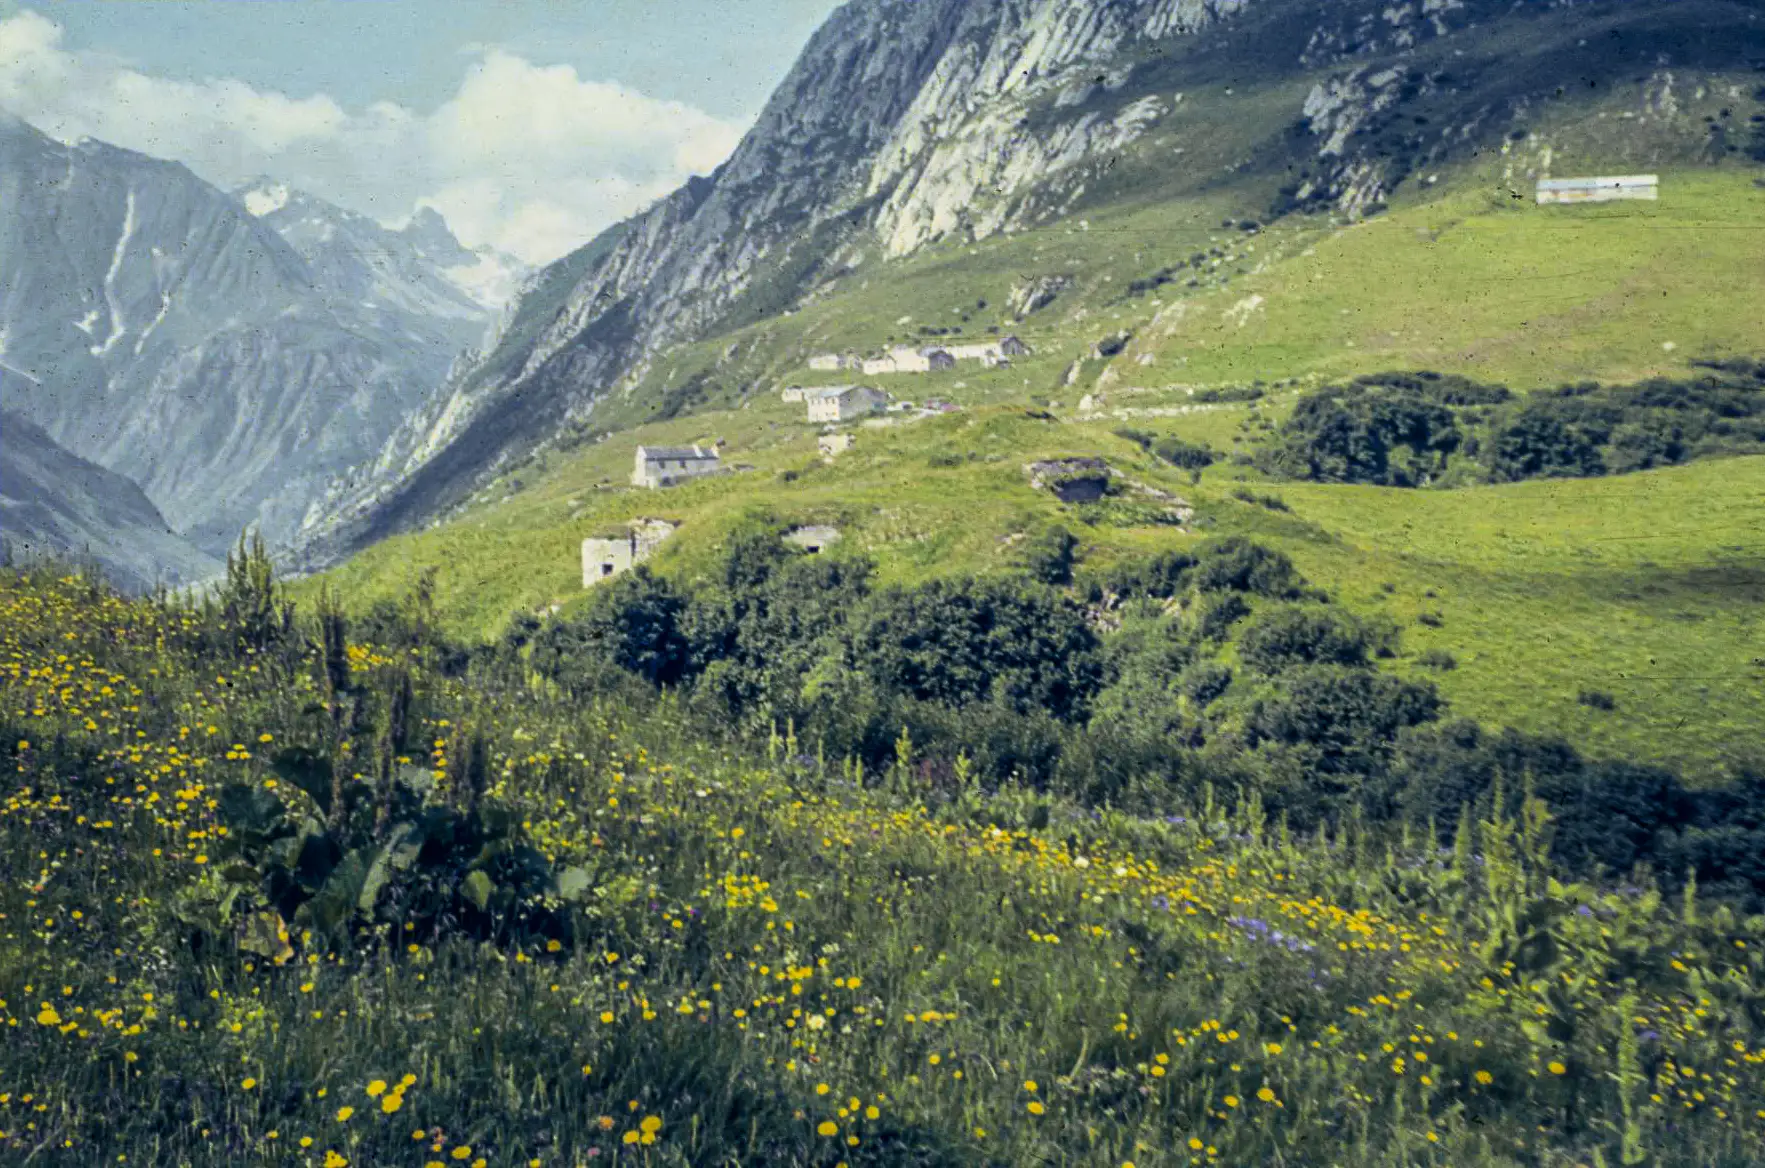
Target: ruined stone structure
(603,559)
(1071,480)
(813,538)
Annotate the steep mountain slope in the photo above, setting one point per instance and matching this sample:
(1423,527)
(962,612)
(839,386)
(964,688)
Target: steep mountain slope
(913,126)
(193,349)
(53,502)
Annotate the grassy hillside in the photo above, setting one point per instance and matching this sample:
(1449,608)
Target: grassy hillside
(1496,287)
(1646,586)
(560,933)
(1642,587)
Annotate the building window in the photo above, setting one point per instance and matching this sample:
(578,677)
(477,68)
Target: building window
(606,569)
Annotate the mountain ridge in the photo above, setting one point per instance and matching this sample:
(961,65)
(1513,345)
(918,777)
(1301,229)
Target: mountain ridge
(55,503)
(195,350)
(909,126)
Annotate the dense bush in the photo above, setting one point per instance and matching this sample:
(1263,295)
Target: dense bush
(1386,435)
(1013,676)
(1290,635)
(962,642)
(1407,429)
(1609,816)
(634,623)
(1342,721)
(1050,556)
(1174,450)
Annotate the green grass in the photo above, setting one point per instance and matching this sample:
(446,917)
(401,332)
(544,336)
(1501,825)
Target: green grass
(771,964)
(1647,586)
(1499,289)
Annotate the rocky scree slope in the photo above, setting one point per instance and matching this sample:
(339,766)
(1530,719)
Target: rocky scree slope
(182,342)
(905,125)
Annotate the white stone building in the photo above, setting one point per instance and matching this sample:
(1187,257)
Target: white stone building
(663,466)
(827,362)
(989,353)
(842,403)
(1603,189)
(793,393)
(907,360)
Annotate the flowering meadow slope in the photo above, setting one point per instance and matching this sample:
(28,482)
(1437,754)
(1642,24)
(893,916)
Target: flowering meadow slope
(275,896)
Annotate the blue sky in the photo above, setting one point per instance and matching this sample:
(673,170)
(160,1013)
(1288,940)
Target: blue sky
(531,124)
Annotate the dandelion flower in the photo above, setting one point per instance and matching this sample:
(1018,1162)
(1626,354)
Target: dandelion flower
(828,1128)
(1557,1068)
(1036,1107)
(248,1083)
(344,1112)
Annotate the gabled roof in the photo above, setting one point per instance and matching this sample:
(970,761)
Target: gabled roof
(653,453)
(1600,182)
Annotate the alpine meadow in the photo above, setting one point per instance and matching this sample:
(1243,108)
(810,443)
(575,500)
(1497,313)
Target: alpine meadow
(1136,583)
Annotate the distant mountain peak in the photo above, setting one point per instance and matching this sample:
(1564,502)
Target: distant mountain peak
(428,225)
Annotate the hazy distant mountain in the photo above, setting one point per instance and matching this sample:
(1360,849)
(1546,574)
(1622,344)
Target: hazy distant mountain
(229,363)
(53,502)
(420,269)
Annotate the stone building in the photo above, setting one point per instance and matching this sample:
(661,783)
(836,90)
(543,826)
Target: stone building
(605,558)
(813,538)
(663,466)
(1071,480)
(832,444)
(989,353)
(908,360)
(1603,189)
(842,403)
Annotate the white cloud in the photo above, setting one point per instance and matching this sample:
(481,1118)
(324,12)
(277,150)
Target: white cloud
(531,159)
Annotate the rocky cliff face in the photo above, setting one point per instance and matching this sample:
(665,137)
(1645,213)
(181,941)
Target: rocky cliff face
(870,135)
(908,122)
(195,350)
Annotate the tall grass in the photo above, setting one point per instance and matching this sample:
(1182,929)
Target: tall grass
(783,961)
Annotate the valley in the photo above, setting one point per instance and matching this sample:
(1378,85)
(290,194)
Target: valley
(1279,683)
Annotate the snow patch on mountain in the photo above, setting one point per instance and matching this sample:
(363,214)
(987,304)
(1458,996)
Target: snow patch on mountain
(265,200)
